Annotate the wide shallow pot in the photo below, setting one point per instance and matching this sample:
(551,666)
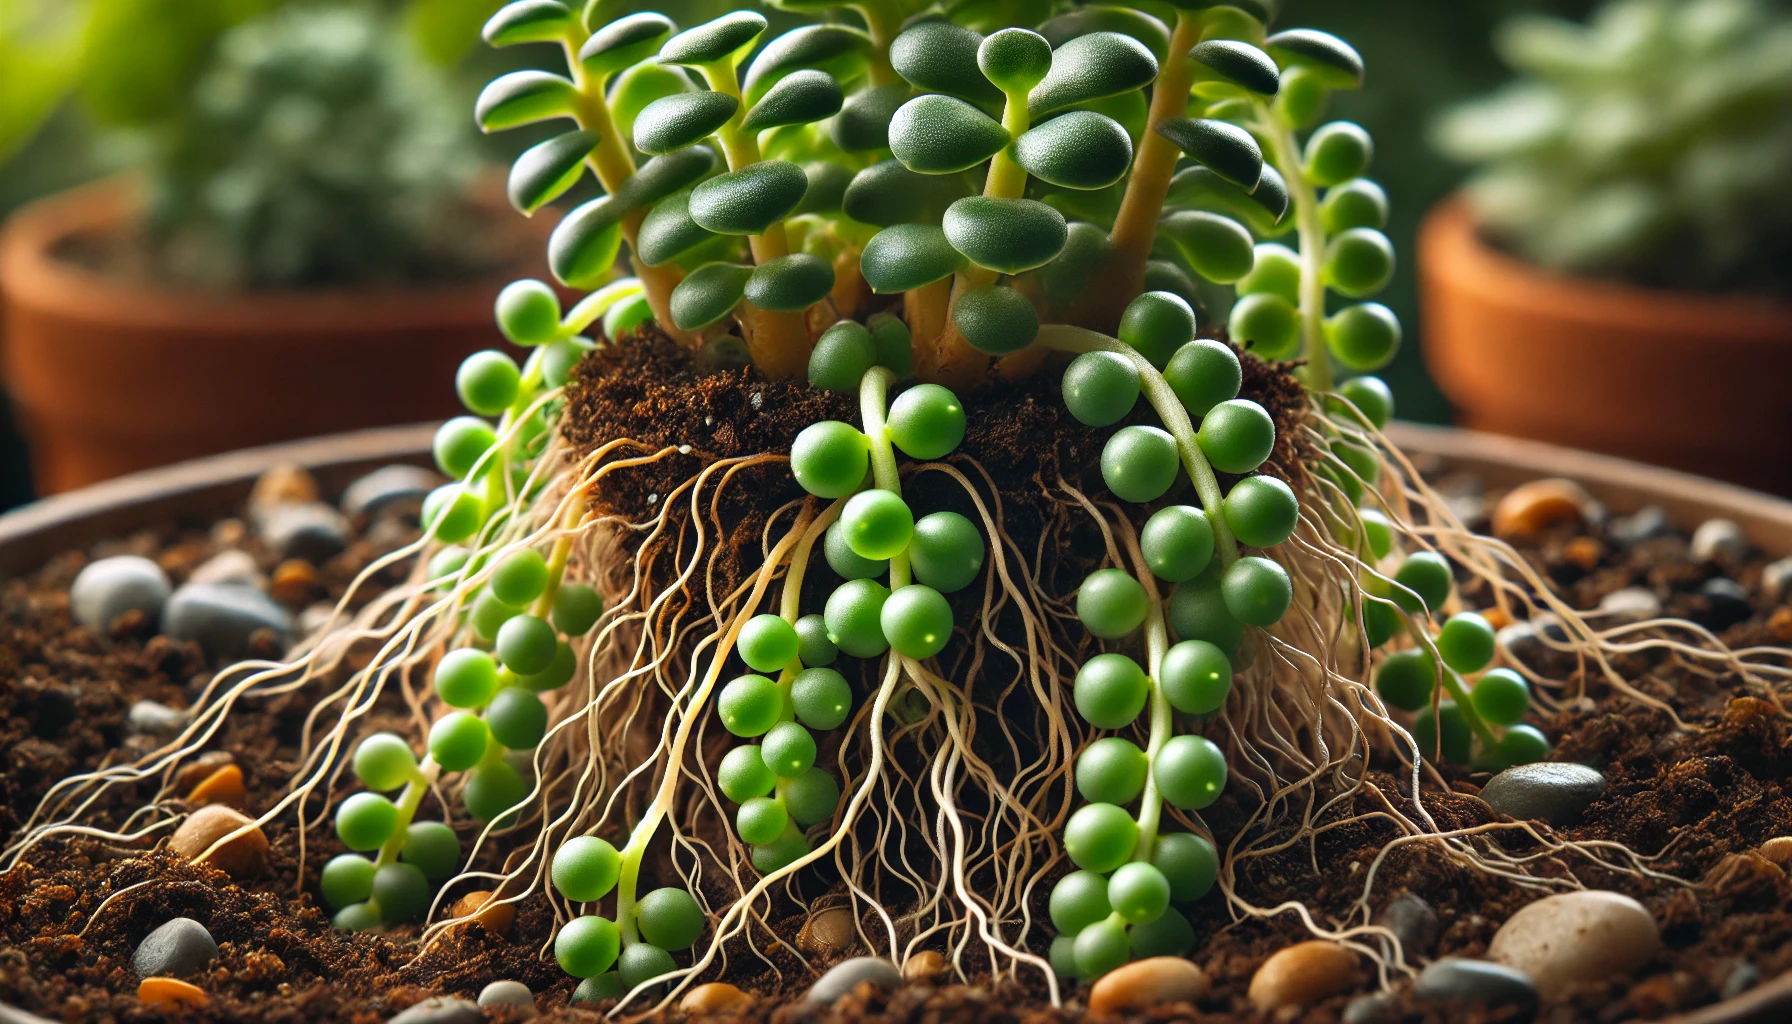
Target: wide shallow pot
(1691,381)
(112,375)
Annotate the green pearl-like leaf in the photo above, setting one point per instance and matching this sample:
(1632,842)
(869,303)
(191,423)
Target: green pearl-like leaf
(1085,248)
(1010,236)
(1238,63)
(888,193)
(937,56)
(1336,61)
(1108,18)
(790,283)
(1199,188)
(664,175)
(800,97)
(996,319)
(714,41)
(840,50)
(668,231)
(1080,149)
(1225,147)
(936,134)
(708,293)
(625,42)
(639,86)
(674,122)
(747,201)
(828,183)
(546,170)
(527,21)
(1014,59)
(585,243)
(1218,248)
(1092,67)
(524,97)
(864,119)
(906,256)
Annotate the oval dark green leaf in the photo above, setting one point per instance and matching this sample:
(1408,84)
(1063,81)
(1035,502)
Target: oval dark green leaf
(719,39)
(1230,150)
(524,97)
(839,50)
(1239,63)
(664,175)
(668,231)
(747,201)
(864,119)
(707,294)
(1336,61)
(641,85)
(1218,248)
(625,42)
(996,319)
(1080,149)
(906,256)
(1063,279)
(585,243)
(1091,67)
(1199,188)
(546,170)
(1010,236)
(936,134)
(828,183)
(527,21)
(800,97)
(937,56)
(1108,18)
(790,283)
(674,122)
(888,193)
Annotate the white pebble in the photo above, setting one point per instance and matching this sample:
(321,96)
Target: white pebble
(1576,937)
(1719,538)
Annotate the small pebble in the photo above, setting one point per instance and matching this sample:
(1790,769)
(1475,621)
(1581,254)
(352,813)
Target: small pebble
(508,993)
(1779,850)
(1576,937)
(1528,510)
(282,485)
(847,975)
(242,857)
(179,946)
(1302,974)
(1645,523)
(1146,983)
(314,617)
(1375,1008)
(831,931)
(441,1010)
(1780,622)
(110,587)
(232,566)
(1475,981)
(1584,552)
(924,965)
(1554,791)
(1727,601)
(1719,539)
(170,992)
(1776,580)
(223,616)
(313,531)
(195,772)
(224,786)
(149,718)
(1414,923)
(1742,977)
(495,918)
(388,487)
(715,997)
(1630,604)
(295,582)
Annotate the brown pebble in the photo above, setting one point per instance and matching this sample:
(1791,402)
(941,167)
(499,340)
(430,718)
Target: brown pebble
(201,769)
(283,485)
(830,931)
(495,918)
(1781,624)
(924,965)
(715,997)
(1303,974)
(1497,617)
(1146,983)
(1529,509)
(224,786)
(1779,850)
(295,581)
(1584,552)
(242,857)
(170,992)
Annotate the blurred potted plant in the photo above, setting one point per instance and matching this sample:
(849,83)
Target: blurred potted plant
(1614,275)
(304,237)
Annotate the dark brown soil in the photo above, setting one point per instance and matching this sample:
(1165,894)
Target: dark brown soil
(1707,798)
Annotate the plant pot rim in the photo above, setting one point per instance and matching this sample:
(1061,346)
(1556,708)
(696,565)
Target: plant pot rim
(1452,249)
(33,276)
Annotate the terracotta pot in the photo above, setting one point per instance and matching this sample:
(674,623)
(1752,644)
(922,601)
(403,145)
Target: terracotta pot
(112,375)
(1696,382)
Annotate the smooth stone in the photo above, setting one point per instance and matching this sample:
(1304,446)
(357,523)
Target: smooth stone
(149,718)
(441,1010)
(928,963)
(1145,983)
(1742,977)
(484,909)
(232,566)
(1554,791)
(179,946)
(1719,538)
(1375,1008)
(1475,981)
(1414,923)
(282,485)
(1645,523)
(1576,937)
(242,857)
(170,992)
(1776,579)
(313,531)
(1631,604)
(1530,509)
(1779,850)
(1728,601)
(314,617)
(385,487)
(508,993)
(848,974)
(831,931)
(222,617)
(1302,975)
(714,997)
(110,587)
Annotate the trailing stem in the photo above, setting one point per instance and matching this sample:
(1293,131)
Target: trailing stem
(1317,373)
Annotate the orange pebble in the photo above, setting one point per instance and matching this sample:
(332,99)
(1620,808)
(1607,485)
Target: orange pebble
(171,991)
(242,857)
(1529,509)
(1584,552)
(294,582)
(1781,623)
(495,918)
(203,766)
(224,786)
(1496,617)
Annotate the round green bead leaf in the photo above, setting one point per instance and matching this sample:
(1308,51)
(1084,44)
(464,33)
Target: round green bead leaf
(668,231)
(347,878)
(1139,463)
(708,293)
(457,741)
(1237,436)
(800,97)
(528,312)
(750,705)
(1218,248)
(1466,642)
(1111,603)
(585,869)
(934,134)
(401,891)
(365,820)
(1198,612)
(1101,947)
(466,678)
(877,524)
(1196,676)
(1524,744)
(1262,511)
(812,797)
(1364,336)
(743,775)
(1156,325)
(524,97)
(546,170)
(517,718)
(1373,399)
(767,643)
(1268,323)
(724,38)
(433,847)
(1139,892)
(1177,543)
(1240,63)
(460,442)
(1080,149)
(1358,203)
(576,608)
(854,618)
(841,356)
(937,56)
(674,122)
(1257,591)
(1092,67)
(830,458)
(625,42)
(813,645)
(527,21)
(526,645)
(1502,696)
(1100,837)
(1336,153)
(1190,772)
(1010,236)
(747,201)
(1424,582)
(384,762)
(1110,691)
(586,242)
(790,283)
(670,918)
(946,552)
(1453,740)
(1100,388)
(1406,678)
(492,790)
(1190,863)
(996,319)
(488,382)
(760,820)
(917,621)
(1111,770)
(927,421)
(1335,63)
(839,50)
(1221,146)
(1358,262)
(821,697)
(1275,270)
(587,946)
(1079,900)
(906,256)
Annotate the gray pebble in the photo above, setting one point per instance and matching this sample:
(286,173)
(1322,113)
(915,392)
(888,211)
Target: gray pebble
(1776,580)
(441,1010)
(1475,981)
(313,530)
(1552,791)
(1742,977)
(232,566)
(847,974)
(1526,640)
(1414,923)
(1728,602)
(222,617)
(110,587)
(1631,604)
(1645,523)
(1719,539)
(1376,1008)
(150,718)
(508,993)
(389,487)
(180,946)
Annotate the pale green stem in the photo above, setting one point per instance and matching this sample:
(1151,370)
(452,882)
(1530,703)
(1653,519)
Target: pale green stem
(1007,179)
(874,390)
(1151,809)
(1317,374)
(422,777)
(882,24)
